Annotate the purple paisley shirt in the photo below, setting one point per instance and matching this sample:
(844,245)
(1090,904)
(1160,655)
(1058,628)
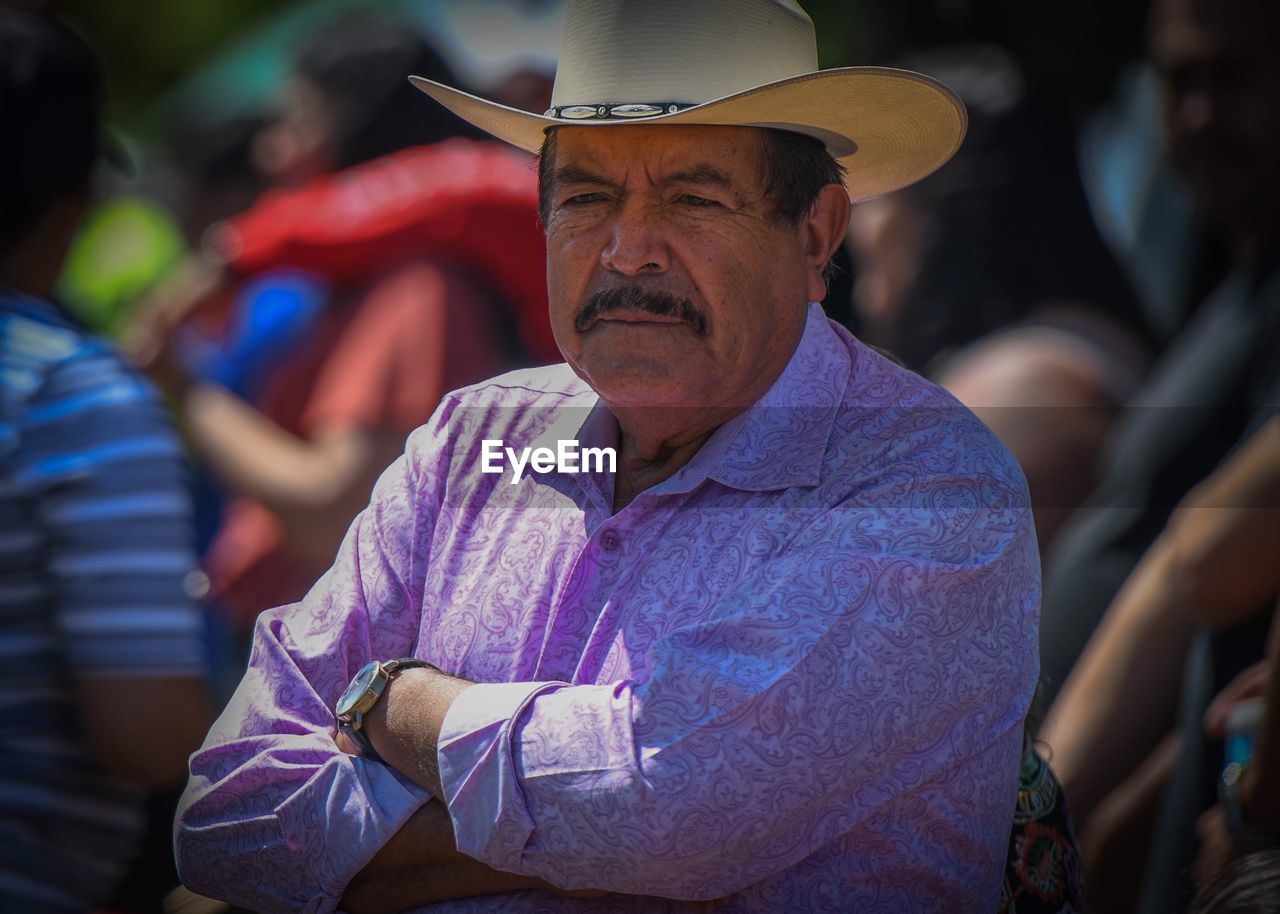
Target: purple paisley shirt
(793,673)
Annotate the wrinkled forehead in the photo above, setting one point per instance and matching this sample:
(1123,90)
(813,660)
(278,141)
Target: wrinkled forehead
(731,155)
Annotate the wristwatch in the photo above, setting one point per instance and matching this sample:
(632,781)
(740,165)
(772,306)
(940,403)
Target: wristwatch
(362,694)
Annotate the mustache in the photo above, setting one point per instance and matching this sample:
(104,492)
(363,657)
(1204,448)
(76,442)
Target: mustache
(633,298)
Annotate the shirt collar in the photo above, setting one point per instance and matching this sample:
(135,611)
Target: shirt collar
(584,419)
(776,444)
(781,441)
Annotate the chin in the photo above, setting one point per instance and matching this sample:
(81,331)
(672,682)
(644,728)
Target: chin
(636,396)
(640,386)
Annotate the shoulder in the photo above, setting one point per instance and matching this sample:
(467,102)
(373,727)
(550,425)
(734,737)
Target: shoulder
(423,278)
(33,343)
(71,386)
(909,471)
(546,386)
(893,421)
(518,405)
(43,355)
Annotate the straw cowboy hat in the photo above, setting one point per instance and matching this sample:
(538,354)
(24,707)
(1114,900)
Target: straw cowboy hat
(731,62)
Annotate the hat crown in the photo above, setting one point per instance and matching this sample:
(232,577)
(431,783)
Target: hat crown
(675,51)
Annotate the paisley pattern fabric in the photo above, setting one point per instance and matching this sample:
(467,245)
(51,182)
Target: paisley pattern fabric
(1044,874)
(794,673)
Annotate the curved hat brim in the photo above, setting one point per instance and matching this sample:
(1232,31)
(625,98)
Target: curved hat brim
(888,128)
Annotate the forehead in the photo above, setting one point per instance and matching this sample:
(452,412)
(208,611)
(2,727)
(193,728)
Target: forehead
(655,152)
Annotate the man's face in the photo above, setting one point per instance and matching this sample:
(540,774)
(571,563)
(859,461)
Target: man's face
(300,142)
(671,282)
(1221,83)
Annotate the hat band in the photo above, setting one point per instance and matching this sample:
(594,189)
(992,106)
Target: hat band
(627,111)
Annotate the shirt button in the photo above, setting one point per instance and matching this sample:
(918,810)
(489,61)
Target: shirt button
(610,541)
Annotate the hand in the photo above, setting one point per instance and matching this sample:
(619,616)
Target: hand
(1217,846)
(1251,683)
(348,746)
(181,293)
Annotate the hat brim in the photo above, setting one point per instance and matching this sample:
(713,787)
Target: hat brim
(888,128)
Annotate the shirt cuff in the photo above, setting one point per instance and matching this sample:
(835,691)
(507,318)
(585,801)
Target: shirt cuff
(342,817)
(478,772)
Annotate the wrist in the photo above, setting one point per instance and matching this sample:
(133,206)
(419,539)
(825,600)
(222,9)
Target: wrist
(402,689)
(362,701)
(406,729)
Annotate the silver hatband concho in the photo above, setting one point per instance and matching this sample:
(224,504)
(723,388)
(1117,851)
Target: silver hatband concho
(630,110)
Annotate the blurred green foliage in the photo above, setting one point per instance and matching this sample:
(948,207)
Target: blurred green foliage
(147,46)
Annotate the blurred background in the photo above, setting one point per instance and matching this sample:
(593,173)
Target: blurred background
(304,254)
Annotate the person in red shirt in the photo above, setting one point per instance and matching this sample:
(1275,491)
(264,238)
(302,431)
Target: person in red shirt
(395,261)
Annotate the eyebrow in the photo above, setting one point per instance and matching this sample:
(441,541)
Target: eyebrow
(570,174)
(698,174)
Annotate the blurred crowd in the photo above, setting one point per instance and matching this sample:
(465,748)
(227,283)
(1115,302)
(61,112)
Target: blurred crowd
(291,291)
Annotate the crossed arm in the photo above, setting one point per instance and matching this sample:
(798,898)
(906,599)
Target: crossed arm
(404,728)
(421,863)
(625,785)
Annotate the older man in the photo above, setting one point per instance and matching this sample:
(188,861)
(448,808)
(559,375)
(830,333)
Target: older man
(779,654)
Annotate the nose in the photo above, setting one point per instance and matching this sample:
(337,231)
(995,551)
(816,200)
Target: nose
(636,244)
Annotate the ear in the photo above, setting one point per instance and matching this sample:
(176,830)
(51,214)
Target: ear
(824,230)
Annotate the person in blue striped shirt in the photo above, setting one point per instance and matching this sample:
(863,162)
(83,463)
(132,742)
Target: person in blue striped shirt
(102,657)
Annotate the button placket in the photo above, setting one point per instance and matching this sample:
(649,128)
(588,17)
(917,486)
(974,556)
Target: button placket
(577,610)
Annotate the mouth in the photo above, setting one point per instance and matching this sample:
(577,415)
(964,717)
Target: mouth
(634,318)
(638,307)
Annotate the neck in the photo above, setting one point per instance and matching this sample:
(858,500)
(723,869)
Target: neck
(655,442)
(27,276)
(34,262)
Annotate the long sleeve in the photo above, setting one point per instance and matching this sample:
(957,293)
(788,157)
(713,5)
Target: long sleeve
(275,817)
(885,652)
(795,671)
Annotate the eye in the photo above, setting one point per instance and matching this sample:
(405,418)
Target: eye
(583,199)
(695,200)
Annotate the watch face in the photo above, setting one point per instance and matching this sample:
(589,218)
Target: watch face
(356,690)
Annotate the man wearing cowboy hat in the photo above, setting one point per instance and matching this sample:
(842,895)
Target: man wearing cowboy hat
(779,655)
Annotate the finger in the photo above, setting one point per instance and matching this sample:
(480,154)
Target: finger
(140,347)
(1249,684)
(1211,831)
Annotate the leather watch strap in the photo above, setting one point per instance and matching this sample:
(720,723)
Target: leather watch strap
(408,663)
(391,668)
(361,739)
